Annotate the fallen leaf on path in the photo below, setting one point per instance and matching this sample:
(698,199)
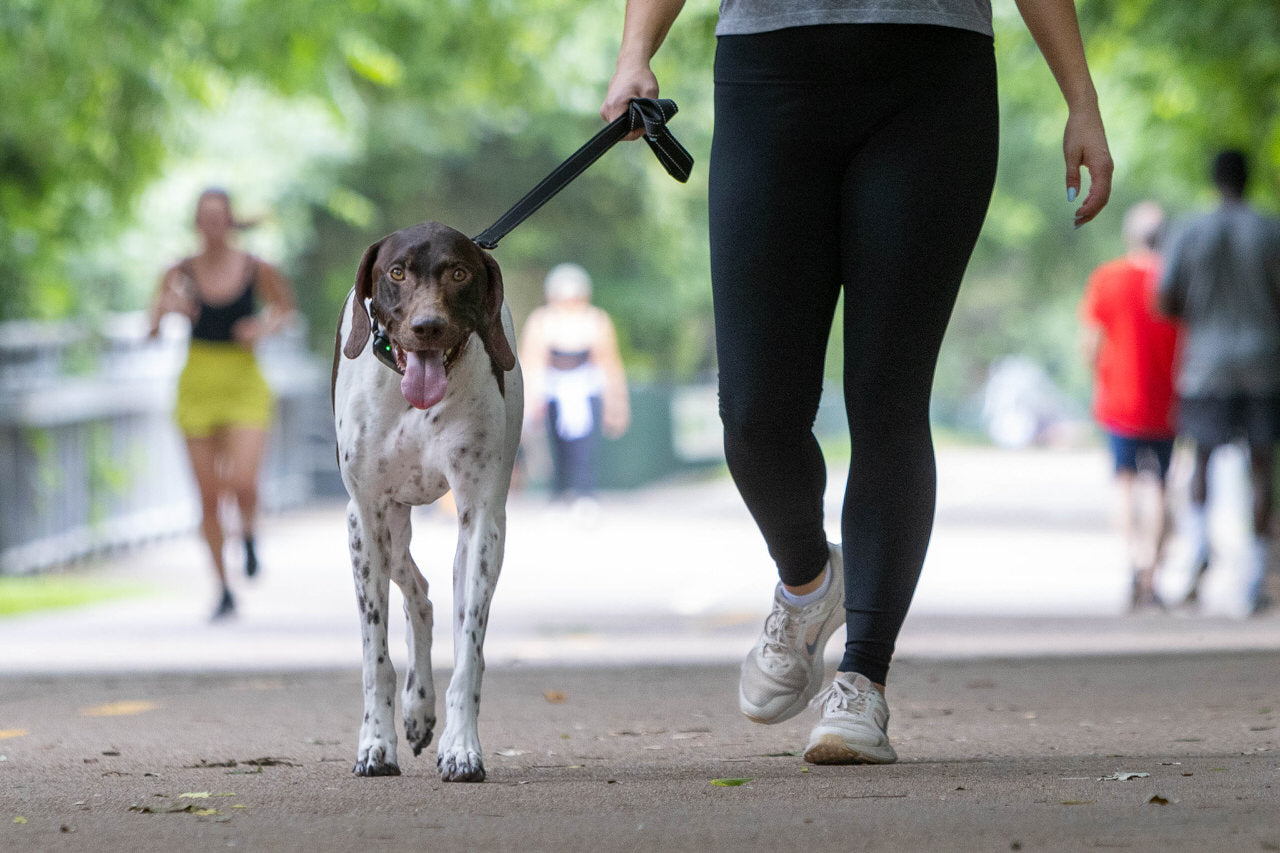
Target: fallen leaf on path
(511,752)
(19,819)
(555,697)
(1122,777)
(124,708)
(5,734)
(195,795)
(1158,800)
(167,808)
(204,763)
(1078,802)
(729,783)
(269,761)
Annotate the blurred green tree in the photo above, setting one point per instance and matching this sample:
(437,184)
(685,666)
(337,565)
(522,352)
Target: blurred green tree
(453,110)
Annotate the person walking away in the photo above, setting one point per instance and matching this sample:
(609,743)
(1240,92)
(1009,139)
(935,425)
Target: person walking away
(1222,279)
(1130,348)
(854,149)
(574,381)
(224,406)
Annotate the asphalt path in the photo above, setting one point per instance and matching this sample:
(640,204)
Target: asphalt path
(1030,710)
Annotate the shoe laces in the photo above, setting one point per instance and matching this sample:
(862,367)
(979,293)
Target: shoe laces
(781,631)
(842,696)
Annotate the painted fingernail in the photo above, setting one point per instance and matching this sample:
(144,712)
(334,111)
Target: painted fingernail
(1071,193)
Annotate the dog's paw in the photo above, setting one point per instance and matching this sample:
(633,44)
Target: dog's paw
(460,766)
(419,733)
(374,762)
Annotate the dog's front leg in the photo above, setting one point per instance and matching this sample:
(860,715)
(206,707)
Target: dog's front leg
(476,566)
(370,544)
(419,697)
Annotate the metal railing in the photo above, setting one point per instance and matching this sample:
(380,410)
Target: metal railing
(90,458)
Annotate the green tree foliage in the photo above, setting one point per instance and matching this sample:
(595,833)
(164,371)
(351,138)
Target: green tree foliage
(455,109)
(80,134)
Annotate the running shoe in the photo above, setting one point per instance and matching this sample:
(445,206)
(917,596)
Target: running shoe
(784,670)
(854,727)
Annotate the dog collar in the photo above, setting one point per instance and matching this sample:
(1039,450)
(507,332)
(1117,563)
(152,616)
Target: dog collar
(383,351)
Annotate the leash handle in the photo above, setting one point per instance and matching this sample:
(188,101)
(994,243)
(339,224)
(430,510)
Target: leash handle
(651,113)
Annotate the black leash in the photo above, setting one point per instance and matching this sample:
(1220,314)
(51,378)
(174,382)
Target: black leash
(650,113)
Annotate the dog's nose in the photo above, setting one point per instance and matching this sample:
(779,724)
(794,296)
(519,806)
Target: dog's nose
(427,326)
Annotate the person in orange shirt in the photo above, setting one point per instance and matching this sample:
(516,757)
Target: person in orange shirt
(1131,348)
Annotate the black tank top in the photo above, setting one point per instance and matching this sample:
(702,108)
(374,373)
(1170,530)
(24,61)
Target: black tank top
(214,322)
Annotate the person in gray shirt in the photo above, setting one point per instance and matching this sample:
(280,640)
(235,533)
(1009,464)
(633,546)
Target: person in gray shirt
(854,152)
(1222,279)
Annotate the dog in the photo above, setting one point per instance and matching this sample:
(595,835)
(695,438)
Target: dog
(432,300)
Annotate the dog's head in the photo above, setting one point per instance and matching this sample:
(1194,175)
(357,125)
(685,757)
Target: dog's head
(429,287)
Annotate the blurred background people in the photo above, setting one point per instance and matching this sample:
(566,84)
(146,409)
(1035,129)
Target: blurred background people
(1130,347)
(224,406)
(575,384)
(1222,278)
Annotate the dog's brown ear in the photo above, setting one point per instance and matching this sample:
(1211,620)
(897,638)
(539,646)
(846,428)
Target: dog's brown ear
(360,328)
(495,339)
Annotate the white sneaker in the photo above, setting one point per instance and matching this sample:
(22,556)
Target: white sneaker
(854,727)
(784,669)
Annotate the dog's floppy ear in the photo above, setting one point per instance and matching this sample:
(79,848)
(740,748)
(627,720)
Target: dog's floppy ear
(495,339)
(360,328)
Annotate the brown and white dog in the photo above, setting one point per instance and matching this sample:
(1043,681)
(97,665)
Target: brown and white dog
(451,422)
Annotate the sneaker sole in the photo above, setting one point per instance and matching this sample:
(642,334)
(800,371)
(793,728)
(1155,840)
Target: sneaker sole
(832,749)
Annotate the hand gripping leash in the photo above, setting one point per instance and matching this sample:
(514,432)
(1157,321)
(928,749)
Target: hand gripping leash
(650,113)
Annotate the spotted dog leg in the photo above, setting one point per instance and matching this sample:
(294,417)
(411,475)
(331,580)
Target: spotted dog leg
(376,754)
(419,697)
(475,573)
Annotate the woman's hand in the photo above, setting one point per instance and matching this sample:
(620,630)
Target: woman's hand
(1084,143)
(247,331)
(172,297)
(1056,30)
(636,80)
(645,27)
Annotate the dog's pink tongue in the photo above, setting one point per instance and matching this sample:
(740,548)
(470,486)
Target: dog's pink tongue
(424,380)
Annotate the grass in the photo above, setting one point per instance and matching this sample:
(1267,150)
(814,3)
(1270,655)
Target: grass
(29,594)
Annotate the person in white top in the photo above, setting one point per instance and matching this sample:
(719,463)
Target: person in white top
(575,383)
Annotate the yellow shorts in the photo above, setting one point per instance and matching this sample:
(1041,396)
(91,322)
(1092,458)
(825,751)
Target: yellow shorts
(221,386)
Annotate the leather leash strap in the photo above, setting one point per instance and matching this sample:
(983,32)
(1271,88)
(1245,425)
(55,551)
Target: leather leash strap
(651,113)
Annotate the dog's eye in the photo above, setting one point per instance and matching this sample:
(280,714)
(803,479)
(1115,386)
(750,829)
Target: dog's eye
(396,273)
(459,274)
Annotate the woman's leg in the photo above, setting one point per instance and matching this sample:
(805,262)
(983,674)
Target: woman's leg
(204,452)
(774,211)
(583,454)
(861,157)
(916,193)
(559,453)
(244,451)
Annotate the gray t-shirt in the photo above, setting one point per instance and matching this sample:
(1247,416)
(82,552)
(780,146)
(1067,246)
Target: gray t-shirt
(1223,269)
(740,17)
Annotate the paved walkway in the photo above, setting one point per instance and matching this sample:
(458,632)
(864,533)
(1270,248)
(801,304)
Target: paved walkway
(1023,561)
(1029,712)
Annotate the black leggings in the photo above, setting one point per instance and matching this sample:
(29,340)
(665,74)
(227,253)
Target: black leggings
(862,157)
